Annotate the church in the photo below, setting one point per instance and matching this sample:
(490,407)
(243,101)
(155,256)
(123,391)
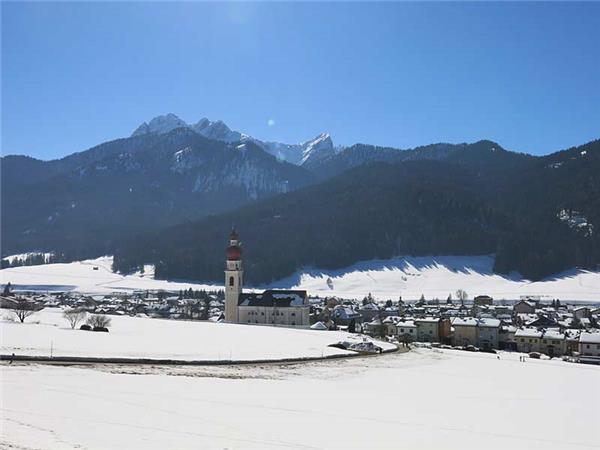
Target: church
(271,307)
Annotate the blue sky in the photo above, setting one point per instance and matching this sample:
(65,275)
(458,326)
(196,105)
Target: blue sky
(526,75)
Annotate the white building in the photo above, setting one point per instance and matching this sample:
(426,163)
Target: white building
(271,307)
(406,330)
(589,344)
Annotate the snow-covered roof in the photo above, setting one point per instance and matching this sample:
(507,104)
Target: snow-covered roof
(428,320)
(370,306)
(270,298)
(553,334)
(475,322)
(529,333)
(589,338)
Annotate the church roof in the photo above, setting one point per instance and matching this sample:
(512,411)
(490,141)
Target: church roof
(270,298)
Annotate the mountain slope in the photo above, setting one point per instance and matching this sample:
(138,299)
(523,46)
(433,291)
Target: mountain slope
(415,207)
(134,185)
(484,154)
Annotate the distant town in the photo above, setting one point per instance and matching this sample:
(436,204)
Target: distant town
(530,325)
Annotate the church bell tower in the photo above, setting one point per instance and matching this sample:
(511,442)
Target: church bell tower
(233,278)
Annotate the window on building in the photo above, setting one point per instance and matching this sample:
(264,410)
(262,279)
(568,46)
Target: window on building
(293,314)
(231,281)
(262,313)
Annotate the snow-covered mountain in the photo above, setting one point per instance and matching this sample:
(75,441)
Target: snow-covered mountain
(142,182)
(160,125)
(306,152)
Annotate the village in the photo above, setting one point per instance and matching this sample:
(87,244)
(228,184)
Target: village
(531,326)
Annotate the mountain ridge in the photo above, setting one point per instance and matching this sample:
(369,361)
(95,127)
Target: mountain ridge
(100,200)
(294,153)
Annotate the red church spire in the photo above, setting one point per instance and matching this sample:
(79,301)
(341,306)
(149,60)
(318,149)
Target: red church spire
(234,251)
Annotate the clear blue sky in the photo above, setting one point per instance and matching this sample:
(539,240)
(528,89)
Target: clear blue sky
(526,75)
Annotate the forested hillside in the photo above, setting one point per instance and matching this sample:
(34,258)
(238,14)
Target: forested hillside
(535,214)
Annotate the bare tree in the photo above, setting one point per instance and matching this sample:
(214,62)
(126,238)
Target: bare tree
(462,296)
(74,316)
(98,320)
(22,308)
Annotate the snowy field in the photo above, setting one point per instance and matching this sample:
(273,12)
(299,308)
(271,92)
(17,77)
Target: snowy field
(82,277)
(436,277)
(423,399)
(136,337)
(385,279)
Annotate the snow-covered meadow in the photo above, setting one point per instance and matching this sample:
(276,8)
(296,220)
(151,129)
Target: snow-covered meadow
(438,276)
(423,399)
(434,277)
(141,337)
(93,276)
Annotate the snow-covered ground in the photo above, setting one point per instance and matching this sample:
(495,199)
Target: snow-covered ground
(93,276)
(438,276)
(434,277)
(137,337)
(423,399)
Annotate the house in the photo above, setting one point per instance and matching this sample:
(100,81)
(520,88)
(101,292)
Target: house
(433,329)
(369,311)
(488,330)
(390,325)
(524,307)
(406,330)
(582,312)
(528,339)
(571,341)
(271,307)
(7,302)
(542,322)
(553,343)
(478,332)
(343,315)
(375,327)
(506,338)
(465,331)
(589,344)
(427,329)
(483,300)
